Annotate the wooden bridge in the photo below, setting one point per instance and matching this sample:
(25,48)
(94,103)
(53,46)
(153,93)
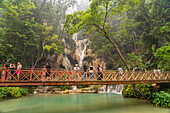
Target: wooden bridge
(39,76)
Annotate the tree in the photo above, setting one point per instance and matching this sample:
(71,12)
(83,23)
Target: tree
(96,19)
(25,37)
(163,56)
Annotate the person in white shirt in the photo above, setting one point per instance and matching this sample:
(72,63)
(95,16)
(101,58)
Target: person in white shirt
(76,70)
(120,70)
(159,71)
(154,71)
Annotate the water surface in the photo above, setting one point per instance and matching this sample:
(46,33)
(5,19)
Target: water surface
(79,103)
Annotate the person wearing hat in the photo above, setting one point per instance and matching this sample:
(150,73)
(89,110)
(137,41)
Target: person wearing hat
(76,70)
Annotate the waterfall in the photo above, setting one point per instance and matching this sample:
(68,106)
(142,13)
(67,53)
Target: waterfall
(112,89)
(66,61)
(81,46)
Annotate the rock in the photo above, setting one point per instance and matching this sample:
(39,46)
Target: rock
(86,63)
(59,59)
(100,62)
(76,57)
(78,91)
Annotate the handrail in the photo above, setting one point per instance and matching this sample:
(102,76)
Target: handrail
(41,74)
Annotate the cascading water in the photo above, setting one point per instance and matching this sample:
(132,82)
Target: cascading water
(112,89)
(66,61)
(81,46)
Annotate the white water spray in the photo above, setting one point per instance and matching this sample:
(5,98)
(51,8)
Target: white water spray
(112,89)
(81,46)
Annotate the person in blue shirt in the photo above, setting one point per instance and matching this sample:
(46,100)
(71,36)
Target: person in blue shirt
(6,64)
(99,72)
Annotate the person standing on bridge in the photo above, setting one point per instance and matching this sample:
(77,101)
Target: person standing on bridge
(100,70)
(48,74)
(120,71)
(76,70)
(19,66)
(91,72)
(85,71)
(12,68)
(3,73)
(6,65)
(44,71)
(159,71)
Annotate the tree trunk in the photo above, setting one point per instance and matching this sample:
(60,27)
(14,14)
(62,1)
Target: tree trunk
(135,88)
(120,54)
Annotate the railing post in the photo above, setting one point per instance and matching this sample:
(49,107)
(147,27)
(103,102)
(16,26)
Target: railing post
(77,74)
(69,75)
(3,73)
(103,75)
(8,71)
(31,74)
(43,74)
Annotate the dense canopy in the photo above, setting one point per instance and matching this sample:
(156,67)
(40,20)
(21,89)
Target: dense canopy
(137,30)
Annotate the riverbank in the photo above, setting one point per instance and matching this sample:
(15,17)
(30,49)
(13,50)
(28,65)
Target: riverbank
(154,93)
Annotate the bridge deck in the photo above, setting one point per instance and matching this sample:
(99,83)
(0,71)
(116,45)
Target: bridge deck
(33,77)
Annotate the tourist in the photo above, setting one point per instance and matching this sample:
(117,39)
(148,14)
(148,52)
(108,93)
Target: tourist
(6,62)
(3,72)
(85,71)
(6,65)
(100,70)
(44,70)
(19,66)
(12,68)
(154,71)
(120,70)
(48,67)
(91,72)
(159,71)
(76,70)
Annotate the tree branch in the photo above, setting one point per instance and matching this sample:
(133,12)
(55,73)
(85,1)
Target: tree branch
(105,18)
(41,54)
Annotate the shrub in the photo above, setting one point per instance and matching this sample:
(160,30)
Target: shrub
(96,88)
(14,92)
(128,91)
(147,90)
(161,99)
(63,88)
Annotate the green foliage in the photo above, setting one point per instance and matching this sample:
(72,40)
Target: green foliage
(29,29)
(128,91)
(12,92)
(163,56)
(147,90)
(161,99)
(63,88)
(96,88)
(136,61)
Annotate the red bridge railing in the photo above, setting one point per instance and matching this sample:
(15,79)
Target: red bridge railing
(39,74)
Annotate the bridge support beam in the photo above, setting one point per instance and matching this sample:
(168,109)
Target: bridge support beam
(55,83)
